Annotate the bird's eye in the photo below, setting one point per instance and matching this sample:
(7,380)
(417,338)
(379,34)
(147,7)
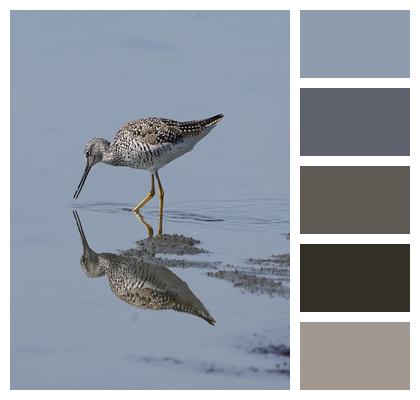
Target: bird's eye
(87,153)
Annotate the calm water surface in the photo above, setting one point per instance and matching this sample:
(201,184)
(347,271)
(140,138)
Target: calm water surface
(78,75)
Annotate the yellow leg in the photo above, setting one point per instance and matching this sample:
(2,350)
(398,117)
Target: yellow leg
(161,197)
(146,225)
(147,198)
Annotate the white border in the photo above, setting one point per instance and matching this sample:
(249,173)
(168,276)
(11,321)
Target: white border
(294,197)
(295,83)
(354,82)
(355,161)
(368,161)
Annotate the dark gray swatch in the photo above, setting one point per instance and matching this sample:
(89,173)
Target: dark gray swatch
(355,44)
(355,355)
(355,277)
(355,122)
(359,200)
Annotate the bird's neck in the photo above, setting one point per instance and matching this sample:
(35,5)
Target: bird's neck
(110,157)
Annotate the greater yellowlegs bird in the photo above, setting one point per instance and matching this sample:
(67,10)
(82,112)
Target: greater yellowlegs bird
(140,282)
(148,143)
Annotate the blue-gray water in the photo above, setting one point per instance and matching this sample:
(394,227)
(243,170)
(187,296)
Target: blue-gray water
(76,75)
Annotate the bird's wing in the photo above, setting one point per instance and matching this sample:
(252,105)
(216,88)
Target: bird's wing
(157,131)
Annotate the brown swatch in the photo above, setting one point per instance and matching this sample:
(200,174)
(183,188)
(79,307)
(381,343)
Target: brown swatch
(355,277)
(355,355)
(355,200)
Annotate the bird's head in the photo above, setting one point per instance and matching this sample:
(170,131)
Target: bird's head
(90,265)
(94,153)
(89,259)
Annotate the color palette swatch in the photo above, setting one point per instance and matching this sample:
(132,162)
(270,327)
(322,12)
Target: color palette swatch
(355,355)
(355,277)
(355,122)
(355,44)
(360,203)
(357,200)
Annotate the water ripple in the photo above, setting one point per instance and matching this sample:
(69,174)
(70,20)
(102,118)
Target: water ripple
(235,212)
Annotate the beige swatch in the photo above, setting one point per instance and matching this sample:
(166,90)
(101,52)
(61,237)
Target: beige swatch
(355,355)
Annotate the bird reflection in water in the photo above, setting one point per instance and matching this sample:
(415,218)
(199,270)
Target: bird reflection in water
(148,227)
(141,282)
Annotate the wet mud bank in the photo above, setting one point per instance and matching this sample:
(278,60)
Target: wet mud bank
(270,275)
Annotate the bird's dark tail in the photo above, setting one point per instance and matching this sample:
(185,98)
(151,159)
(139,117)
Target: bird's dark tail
(205,123)
(193,128)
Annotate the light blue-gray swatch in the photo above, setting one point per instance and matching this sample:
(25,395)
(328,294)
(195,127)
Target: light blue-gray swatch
(355,44)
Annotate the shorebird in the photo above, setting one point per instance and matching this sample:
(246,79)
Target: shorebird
(148,143)
(141,282)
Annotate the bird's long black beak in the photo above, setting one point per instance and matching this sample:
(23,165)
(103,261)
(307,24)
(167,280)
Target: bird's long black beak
(79,227)
(89,260)
(82,181)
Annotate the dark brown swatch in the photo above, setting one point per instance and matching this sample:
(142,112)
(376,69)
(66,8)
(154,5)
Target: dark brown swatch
(355,277)
(360,200)
(355,355)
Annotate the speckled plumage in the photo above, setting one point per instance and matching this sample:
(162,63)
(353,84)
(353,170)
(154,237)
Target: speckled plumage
(140,282)
(151,143)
